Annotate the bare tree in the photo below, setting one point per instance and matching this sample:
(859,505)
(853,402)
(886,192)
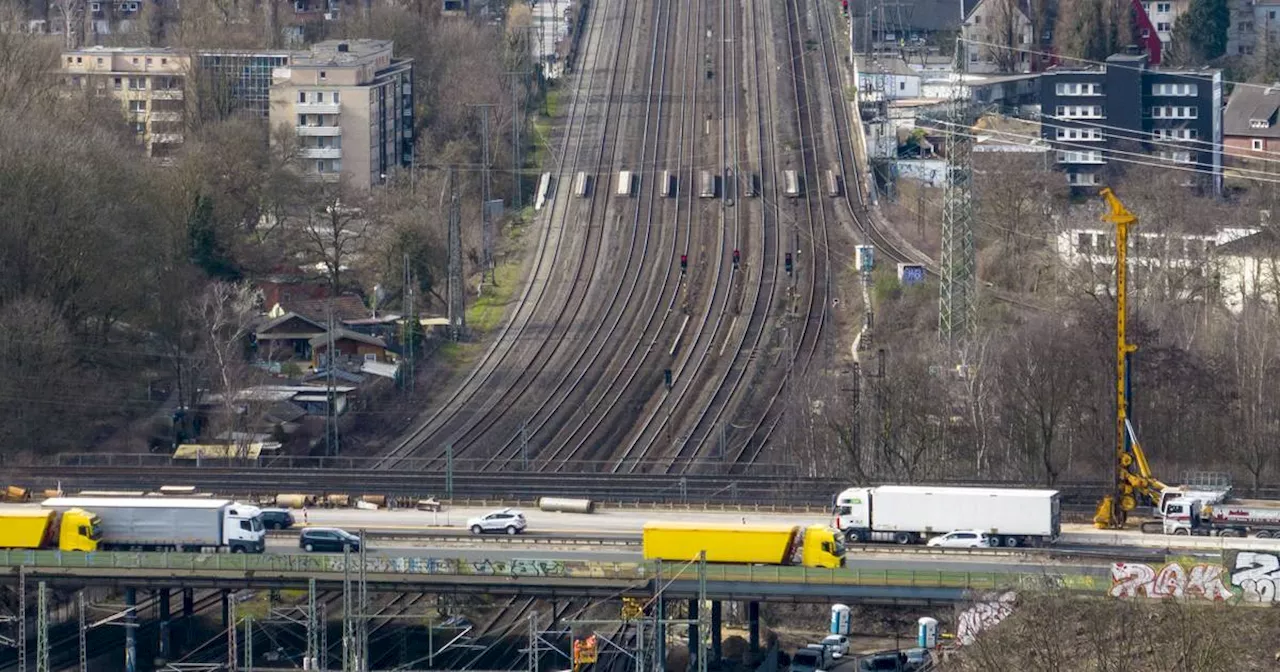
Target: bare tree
(336,229)
(226,312)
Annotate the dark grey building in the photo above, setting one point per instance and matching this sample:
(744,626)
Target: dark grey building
(1099,118)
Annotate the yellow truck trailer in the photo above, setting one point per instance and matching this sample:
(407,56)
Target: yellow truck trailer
(74,530)
(814,546)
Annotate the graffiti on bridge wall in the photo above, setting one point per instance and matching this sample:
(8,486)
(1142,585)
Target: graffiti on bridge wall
(1257,575)
(1199,581)
(1253,577)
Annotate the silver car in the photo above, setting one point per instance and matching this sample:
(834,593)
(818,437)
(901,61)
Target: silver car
(509,521)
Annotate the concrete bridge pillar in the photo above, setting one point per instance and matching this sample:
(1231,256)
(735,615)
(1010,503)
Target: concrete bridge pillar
(695,641)
(188,615)
(226,609)
(131,630)
(753,626)
(162,599)
(716,652)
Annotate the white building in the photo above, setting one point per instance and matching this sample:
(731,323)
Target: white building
(998,35)
(1236,263)
(881,79)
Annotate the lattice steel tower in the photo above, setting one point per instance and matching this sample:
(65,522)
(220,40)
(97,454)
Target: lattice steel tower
(957,292)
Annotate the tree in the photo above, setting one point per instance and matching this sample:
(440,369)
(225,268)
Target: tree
(37,370)
(1253,350)
(336,229)
(1007,24)
(224,313)
(1093,29)
(1201,32)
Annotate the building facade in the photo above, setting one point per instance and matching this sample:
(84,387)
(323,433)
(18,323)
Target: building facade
(999,37)
(1251,123)
(1126,111)
(350,103)
(151,85)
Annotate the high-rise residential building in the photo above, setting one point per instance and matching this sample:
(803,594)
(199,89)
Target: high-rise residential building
(1127,112)
(350,102)
(149,83)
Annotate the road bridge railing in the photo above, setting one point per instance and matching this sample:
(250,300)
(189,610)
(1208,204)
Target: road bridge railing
(288,569)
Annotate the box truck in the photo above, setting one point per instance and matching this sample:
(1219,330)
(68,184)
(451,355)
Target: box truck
(906,514)
(170,523)
(814,546)
(74,530)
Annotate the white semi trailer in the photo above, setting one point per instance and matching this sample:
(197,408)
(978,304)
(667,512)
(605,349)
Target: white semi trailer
(171,523)
(907,514)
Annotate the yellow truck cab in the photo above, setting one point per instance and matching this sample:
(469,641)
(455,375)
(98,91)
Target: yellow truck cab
(823,547)
(74,530)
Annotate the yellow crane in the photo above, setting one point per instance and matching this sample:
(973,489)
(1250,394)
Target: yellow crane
(1134,485)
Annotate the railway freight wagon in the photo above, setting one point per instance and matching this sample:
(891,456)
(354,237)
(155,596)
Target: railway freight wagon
(814,546)
(170,523)
(910,514)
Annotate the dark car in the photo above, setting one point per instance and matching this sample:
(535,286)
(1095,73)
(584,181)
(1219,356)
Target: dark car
(883,662)
(327,539)
(277,519)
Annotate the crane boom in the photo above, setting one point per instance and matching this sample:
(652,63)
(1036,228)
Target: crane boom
(1134,483)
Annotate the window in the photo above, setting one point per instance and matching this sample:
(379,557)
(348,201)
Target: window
(1078,89)
(1079,133)
(1257,144)
(302,96)
(1081,156)
(1176,156)
(116,83)
(148,60)
(323,74)
(164,61)
(135,59)
(1164,7)
(1175,112)
(1189,89)
(319,96)
(137,106)
(1163,27)
(977,19)
(139,127)
(244,525)
(335,96)
(1084,241)
(137,83)
(1079,111)
(1082,180)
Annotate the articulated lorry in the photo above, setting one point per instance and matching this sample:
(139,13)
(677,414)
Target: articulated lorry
(906,514)
(73,530)
(169,523)
(814,546)
(1189,515)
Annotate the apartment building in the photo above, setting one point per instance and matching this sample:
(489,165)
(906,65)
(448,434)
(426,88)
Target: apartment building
(149,83)
(351,104)
(1127,111)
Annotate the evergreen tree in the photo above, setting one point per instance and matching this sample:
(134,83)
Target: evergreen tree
(1201,32)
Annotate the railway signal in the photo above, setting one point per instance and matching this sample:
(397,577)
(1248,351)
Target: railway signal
(736,258)
(684,263)
(666,378)
(787,263)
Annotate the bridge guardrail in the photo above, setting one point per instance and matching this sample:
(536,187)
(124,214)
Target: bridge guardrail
(312,565)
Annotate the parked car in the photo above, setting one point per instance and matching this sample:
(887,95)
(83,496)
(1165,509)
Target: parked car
(962,539)
(807,660)
(917,659)
(836,645)
(277,519)
(327,539)
(883,662)
(509,521)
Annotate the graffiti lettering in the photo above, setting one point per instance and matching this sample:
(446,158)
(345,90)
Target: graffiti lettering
(1202,581)
(1258,577)
(982,616)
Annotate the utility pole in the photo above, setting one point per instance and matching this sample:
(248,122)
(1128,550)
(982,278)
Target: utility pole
(457,302)
(517,120)
(42,627)
(485,189)
(957,291)
(409,317)
(332,447)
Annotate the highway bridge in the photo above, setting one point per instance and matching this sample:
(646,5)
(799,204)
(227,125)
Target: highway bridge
(504,572)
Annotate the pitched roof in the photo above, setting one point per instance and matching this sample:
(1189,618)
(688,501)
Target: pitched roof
(283,319)
(345,307)
(1263,244)
(922,15)
(340,334)
(1249,103)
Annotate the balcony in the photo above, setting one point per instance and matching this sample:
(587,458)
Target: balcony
(320,153)
(319,131)
(166,138)
(318,108)
(166,94)
(165,116)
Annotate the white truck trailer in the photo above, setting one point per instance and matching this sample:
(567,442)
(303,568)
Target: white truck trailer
(171,523)
(907,514)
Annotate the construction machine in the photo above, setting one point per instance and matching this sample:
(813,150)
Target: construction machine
(1134,485)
